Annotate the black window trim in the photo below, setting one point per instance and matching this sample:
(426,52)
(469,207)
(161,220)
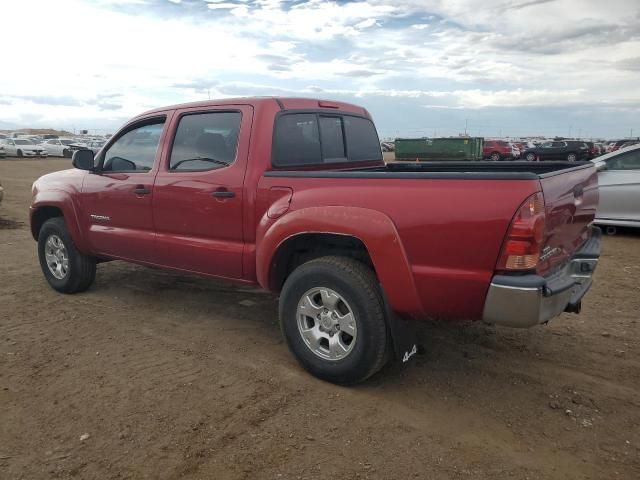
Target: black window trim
(318,113)
(167,163)
(128,128)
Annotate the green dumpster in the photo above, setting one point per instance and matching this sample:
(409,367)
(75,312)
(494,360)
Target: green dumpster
(453,149)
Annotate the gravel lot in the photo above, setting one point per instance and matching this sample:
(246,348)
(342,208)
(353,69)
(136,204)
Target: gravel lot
(152,374)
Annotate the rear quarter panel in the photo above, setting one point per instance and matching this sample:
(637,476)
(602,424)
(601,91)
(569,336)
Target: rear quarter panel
(451,231)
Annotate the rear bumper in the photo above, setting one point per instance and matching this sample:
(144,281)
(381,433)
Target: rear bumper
(528,300)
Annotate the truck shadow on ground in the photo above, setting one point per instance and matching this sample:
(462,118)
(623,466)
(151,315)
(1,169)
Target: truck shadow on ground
(451,348)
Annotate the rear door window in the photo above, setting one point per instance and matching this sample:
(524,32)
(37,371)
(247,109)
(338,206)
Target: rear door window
(205,141)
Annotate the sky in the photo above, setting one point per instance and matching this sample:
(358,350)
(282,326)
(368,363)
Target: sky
(421,67)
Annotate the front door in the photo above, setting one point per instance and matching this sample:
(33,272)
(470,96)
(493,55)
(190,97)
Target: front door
(198,193)
(116,199)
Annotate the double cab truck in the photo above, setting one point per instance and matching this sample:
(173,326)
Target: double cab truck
(293,195)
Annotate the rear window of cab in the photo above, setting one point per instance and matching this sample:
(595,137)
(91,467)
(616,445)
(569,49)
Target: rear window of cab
(303,139)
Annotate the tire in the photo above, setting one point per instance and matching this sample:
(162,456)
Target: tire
(19,153)
(65,153)
(530,157)
(572,157)
(80,271)
(495,156)
(321,280)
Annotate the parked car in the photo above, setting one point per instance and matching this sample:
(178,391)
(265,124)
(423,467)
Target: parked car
(388,146)
(19,147)
(245,190)
(59,147)
(94,146)
(592,151)
(498,150)
(628,144)
(614,146)
(619,184)
(569,150)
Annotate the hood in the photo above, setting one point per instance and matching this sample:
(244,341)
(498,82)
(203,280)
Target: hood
(30,147)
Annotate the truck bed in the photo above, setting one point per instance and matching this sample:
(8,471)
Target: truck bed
(449,170)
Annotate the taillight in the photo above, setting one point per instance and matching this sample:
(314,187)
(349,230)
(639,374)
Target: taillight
(523,244)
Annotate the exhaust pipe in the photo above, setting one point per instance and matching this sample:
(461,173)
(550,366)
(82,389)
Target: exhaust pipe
(574,308)
(611,230)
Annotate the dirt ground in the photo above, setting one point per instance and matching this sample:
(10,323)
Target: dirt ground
(152,374)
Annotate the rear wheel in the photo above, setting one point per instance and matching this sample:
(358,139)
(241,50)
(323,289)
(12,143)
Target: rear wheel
(531,157)
(495,156)
(19,153)
(66,153)
(572,157)
(332,317)
(64,267)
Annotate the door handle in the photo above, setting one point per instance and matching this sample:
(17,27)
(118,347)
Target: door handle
(223,194)
(140,190)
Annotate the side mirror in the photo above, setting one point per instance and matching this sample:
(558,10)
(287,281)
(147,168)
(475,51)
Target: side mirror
(83,160)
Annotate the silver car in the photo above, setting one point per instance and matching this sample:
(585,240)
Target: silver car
(619,184)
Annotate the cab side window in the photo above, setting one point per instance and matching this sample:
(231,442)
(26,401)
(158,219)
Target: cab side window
(205,141)
(135,151)
(626,161)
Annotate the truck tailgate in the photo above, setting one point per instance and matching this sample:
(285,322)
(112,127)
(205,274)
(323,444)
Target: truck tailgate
(571,199)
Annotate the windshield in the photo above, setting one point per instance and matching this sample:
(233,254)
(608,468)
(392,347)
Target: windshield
(67,142)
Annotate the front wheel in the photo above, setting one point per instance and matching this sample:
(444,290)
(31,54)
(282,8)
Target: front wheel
(572,157)
(19,153)
(495,156)
(531,157)
(332,317)
(64,267)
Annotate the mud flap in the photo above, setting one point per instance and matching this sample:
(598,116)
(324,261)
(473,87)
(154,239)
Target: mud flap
(404,335)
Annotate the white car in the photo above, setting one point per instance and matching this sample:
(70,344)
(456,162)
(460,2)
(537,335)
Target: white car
(619,188)
(19,147)
(59,147)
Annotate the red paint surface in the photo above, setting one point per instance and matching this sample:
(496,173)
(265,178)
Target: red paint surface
(434,243)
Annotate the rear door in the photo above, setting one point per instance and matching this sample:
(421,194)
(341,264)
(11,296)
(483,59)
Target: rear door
(620,188)
(116,199)
(571,198)
(198,192)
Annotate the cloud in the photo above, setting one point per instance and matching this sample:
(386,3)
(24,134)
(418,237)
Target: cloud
(519,6)
(632,64)
(394,57)
(49,100)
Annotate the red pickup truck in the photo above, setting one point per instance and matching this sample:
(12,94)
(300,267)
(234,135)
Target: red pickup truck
(293,195)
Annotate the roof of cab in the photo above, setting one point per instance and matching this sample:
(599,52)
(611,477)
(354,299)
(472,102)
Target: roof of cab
(284,103)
